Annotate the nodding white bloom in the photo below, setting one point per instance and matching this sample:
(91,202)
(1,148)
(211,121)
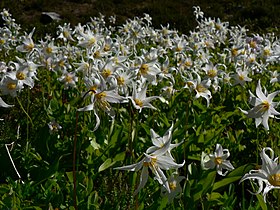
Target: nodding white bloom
(139,98)
(65,32)
(156,163)
(241,77)
(10,86)
(269,173)
(69,79)
(162,145)
(54,126)
(200,87)
(174,186)
(263,106)
(101,98)
(149,70)
(27,43)
(218,159)
(275,77)
(88,38)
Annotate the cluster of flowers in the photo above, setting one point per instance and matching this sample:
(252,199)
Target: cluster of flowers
(119,64)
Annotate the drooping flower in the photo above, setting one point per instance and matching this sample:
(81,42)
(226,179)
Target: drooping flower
(101,97)
(162,145)
(263,106)
(269,173)
(139,98)
(174,186)
(156,163)
(218,159)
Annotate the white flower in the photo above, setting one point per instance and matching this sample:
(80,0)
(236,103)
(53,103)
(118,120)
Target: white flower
(218,160)
(174,186)
(54,126)
(156,164)
(269,173)
(139,98)
(162,145)
(263,106)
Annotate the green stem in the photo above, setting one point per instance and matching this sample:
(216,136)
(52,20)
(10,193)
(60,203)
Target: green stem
(74,163)
(20,104)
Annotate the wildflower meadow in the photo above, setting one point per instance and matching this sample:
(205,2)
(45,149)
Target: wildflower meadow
(106,116)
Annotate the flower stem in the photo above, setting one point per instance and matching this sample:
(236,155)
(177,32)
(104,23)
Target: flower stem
(20,104)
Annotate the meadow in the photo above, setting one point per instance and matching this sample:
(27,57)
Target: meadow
(104,115)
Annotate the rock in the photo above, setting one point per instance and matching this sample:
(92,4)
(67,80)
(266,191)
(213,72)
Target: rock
(48,17)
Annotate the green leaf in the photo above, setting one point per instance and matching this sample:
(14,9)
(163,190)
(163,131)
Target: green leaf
(240,171)
(225,182)
(205,184)
(70,176)
(261,202)
(108,163)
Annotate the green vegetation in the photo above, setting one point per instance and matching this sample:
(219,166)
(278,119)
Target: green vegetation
(135,115)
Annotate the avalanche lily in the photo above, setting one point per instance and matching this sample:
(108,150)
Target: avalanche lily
(218,160)
(269,173)
(263,106)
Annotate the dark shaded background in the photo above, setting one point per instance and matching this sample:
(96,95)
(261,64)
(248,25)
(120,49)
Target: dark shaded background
(259,16)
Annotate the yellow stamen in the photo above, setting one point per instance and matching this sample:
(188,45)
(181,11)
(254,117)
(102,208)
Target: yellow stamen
(212,73)
(106,73)
(274,179)
(29,47)
(138,102)
(265,105)
(200,88)
(49,50)
(69,78)
(11,86)
(120,81)
(101,95)
(234,52)
(218,160)
(172,185)
(151,163)
(97,54)
(144,69)
(20,76)
(106,47)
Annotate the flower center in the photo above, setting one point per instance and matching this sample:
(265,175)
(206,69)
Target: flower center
(266,52)
(218,160)
(144,69)
(29,47)
(241,77)
(265,105)
(188,63)
(253,44)
(106,48)
(91,41)
(138,102)
(200,88)
(212,73)
(101,95)
(234,52)
(172,185)
(106,73)
(97,54)
(20,76)
(11,86)
(151,163)
(92,89)
(68,78)
(120,81)
(49,50)
(274,179)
